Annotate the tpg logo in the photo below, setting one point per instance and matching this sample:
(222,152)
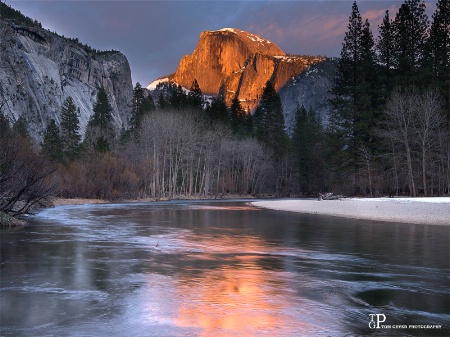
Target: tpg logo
(375,320)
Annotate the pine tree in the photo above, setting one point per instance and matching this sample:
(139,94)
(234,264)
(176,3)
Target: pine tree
(141,105)
(301,145)
(269,121)
(136,106)
(410,37)
(356,98)
(70,129)
(306,136)
(102,116)
(52,144)
(371,95)
(439,52)
(195,96)
(439,59)
(100,132)
(385,48)
(269,129)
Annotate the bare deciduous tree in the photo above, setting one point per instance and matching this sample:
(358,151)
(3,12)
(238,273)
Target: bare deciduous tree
(429,122)
(400,111)
(415,129)
(23,173)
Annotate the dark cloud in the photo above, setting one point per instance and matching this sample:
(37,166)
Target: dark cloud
(155,35)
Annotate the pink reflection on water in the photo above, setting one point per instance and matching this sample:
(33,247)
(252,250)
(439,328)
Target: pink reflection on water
(232,302)
(239,299)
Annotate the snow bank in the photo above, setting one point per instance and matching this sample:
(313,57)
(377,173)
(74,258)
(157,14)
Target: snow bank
(406,200)
(432,211)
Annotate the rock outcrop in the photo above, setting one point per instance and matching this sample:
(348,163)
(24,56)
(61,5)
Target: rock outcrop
(40,69)
(310,89)
(236,63)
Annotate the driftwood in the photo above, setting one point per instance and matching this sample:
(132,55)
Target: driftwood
(330,196)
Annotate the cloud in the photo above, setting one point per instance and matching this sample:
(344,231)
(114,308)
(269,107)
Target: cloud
(271,31)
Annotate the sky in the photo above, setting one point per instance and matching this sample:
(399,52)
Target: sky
(155,35)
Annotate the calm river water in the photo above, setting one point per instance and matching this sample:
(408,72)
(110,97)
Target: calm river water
(220,269)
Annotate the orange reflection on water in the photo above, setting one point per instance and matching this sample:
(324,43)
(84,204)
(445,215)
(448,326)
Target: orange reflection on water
(241,299)
(228,302)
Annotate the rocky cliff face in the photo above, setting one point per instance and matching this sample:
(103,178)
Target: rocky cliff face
(40,69)
(235,63)
(310,89)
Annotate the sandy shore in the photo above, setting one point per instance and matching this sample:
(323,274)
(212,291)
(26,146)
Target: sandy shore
(62,201)
(431,211)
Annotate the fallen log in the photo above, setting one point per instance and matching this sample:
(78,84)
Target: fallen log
(330,196)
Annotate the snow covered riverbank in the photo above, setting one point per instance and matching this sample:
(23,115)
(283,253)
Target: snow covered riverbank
(432,211)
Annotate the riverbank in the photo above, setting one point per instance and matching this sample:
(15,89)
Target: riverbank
(63,201)
(430,211)
(7,221)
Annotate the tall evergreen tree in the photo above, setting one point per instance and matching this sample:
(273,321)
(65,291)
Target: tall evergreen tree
(372,95)
(100,132)
(307,133)
(269,121)
(439,52)
(385,48)
(141,105)
(136,105)
(410,37)
(355,98)
(52,144)
(237,115)
(102,116)
(439,59)
(70,127)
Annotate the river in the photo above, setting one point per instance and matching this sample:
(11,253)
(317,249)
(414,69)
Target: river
(220,269)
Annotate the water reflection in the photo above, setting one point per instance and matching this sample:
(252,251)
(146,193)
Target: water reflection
(239,296)
(231,302)
(218,269)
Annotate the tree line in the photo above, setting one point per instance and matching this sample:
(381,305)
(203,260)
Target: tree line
(390,121)
(180,146)
(9,13)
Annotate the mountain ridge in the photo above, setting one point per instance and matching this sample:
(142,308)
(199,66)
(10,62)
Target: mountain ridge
(235,63)
(40,69)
